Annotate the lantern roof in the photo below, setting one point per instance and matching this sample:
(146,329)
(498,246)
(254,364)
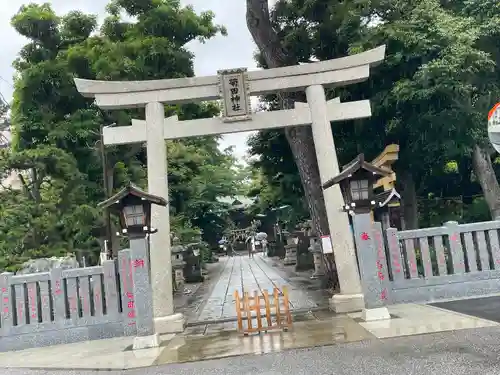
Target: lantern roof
(386,197)
(359,163)
(115,201)
(177,249)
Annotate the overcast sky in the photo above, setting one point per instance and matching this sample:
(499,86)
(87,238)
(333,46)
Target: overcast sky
(234,51)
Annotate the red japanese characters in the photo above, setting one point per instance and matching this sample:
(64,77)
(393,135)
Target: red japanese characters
(380,264)
(57,287)
(138,263)
(31,295)
(128,286)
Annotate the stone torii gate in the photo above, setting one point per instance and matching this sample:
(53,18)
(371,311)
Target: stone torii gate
(234,87)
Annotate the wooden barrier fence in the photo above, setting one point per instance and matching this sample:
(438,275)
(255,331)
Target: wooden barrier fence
(249,308)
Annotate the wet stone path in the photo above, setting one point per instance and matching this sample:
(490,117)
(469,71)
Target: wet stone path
(248,275)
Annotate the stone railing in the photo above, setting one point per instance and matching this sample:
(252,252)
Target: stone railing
(65,306)
(451,249)
(424,265)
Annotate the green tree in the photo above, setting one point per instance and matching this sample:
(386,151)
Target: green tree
(289,35)
(56,130)
(430,95)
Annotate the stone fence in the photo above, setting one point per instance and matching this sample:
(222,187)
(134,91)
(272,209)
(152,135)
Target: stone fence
(427,265)
(65,306)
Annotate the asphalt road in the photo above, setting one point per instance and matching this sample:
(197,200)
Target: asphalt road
(466,352)
(485,308)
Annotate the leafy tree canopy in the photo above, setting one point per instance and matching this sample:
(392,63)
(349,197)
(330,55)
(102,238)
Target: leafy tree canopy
(431,95)
(56,132)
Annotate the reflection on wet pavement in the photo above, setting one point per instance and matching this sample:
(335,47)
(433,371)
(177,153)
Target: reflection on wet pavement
(221,344)
(213,327)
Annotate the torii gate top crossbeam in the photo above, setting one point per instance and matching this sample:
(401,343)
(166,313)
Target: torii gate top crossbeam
(174,129)
(129,94)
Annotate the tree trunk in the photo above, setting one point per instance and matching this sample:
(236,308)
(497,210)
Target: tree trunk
(483,169)
(299,138)
(302,146)
(409,201)
(115,240)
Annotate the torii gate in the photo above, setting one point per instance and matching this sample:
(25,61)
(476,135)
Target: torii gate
(235,87)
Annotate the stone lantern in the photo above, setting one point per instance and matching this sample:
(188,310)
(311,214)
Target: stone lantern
(292,241)
(315,249)
(133,206)
(178,263)
(356,182)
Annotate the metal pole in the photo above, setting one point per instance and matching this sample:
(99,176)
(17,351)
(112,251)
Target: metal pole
(107,193)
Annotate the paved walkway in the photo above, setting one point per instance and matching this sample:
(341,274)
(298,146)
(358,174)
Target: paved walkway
(464,352)
(248,275)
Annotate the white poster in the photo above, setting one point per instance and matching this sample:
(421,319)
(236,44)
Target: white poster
(326,244)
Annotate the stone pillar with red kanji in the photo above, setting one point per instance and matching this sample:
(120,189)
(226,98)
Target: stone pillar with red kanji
(372,266)
(142,290)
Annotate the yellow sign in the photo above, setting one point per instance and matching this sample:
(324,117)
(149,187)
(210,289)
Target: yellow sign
(385,160)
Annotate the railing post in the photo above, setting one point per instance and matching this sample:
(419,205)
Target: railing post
(110,290)
(456,251)
(397,264)
(58,295)
(7,311)
(373,267)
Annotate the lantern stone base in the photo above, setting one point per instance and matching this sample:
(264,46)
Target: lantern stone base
(379,313)
(346,303)
(290,260)
(146,342)
(319,269)
(179,277)
(290,255)
(169,324)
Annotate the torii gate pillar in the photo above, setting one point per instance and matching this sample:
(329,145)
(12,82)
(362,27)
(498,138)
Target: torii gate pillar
(160,256)
(351,298)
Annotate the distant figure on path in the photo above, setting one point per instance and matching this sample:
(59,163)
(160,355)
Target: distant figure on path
(262,238)
(264,247)
(250,241)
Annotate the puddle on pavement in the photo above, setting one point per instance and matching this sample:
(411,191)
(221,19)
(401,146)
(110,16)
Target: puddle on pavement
(196,330)
(323,314)
(303,317)
(304,334)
